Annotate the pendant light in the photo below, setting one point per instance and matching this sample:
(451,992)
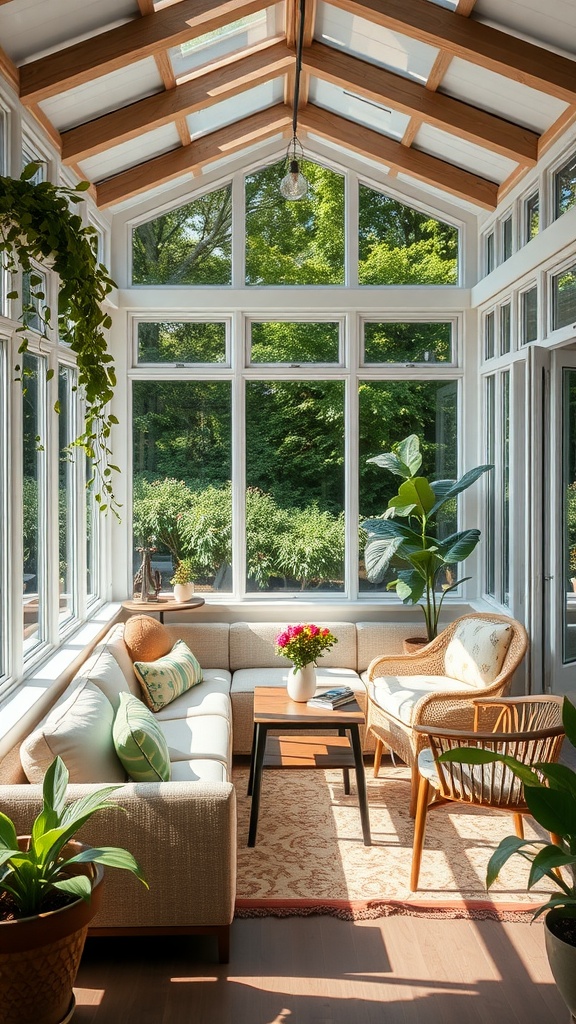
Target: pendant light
(294,185)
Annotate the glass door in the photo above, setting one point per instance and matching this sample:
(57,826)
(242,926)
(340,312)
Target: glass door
(563,524)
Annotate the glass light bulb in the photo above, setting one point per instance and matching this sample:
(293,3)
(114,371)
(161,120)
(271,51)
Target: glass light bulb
(293,184)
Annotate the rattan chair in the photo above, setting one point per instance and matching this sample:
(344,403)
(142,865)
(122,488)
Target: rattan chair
(527,728)
(394,709)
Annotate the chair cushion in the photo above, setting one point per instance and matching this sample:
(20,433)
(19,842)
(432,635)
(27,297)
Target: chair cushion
(140,742)
(476,651)
(167,678)
(146,639)
(467,780)
(397,695)
(78,729)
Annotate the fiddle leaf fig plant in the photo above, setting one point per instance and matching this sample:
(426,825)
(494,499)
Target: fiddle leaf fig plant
(31,876)
(408,532)
(39,227)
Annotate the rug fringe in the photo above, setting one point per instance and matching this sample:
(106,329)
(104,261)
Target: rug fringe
(362,910)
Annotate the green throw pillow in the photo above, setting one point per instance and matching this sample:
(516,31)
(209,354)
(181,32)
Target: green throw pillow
(140,742)
(168,677)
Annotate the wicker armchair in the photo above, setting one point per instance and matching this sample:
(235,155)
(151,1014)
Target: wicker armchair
(527,728)
(404,688)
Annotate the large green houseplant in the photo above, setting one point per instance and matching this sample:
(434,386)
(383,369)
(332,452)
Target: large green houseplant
(39,227)
(407,532)
(50,888)
(550,794)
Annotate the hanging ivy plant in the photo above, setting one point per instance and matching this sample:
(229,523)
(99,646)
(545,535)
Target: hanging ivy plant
(38,226)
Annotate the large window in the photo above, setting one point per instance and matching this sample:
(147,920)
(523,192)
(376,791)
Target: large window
(564,298)
(67,503)
(408,342)
(497,517)
(34,500)
(565,187)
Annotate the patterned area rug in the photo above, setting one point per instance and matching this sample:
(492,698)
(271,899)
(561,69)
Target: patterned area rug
(309,855)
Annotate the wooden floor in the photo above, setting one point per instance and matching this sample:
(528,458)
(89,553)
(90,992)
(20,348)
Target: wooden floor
(319,970)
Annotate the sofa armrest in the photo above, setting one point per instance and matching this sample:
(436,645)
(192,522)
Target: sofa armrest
(183,834)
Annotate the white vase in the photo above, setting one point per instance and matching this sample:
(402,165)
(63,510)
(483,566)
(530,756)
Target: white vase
(183,592)
(302,682)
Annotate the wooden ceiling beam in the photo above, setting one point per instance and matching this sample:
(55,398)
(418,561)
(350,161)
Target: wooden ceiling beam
(384,87)
(162,108)
(473,41)
(127,44)
(224,142)
(421,166)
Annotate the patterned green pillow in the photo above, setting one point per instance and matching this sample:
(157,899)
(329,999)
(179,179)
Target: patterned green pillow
(165,679)
(140,742)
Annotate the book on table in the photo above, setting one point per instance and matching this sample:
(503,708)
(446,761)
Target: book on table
(333,698)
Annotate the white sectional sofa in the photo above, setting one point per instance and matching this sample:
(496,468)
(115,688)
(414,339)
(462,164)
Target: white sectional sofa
(182,831)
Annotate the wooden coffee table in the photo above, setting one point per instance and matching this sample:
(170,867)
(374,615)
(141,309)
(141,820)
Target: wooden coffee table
(273,709)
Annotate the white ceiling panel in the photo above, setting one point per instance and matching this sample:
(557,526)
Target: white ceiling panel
(510,100)
(341,151)
(120,158)
(356,108)
(236,108)
(463,153)
(216,46)
(104,94)
(438,193)
(374,44)
(29,29)
(548,22)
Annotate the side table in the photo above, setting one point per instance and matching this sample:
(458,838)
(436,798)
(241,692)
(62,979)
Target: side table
(162,606)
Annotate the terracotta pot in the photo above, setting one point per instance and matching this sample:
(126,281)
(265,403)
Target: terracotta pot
(562,957)
(40,956)
(413,644)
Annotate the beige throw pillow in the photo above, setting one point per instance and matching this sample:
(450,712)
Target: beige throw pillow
(477,650)
(165,679)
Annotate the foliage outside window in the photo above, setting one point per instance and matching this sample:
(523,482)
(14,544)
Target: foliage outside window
(531,216)
(529,315)
(295,243)
(174,341)
(399,245)
(564,298)
(407,342)
(189,245)
(489,335)
(489,253)
(507,238)
(505,328)
(273,341)
(67,503)
(569,517)
(565,187)
(33,500)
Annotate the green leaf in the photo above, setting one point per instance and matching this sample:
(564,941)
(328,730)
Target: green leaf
(554,809)
(507,848)
(112,857)
(76,885)
(459,546)
(548,858)
(8,838)
(462,484)
(54,787)
(418,492)
(82,186)
(410,586)
(377,555)
(569,720)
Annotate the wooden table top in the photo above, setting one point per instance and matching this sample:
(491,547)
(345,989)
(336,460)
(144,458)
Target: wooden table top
(272,704)
(163,604)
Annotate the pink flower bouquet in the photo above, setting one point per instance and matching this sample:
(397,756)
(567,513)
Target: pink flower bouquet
(304,643)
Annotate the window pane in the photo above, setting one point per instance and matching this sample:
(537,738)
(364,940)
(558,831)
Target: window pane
(66,496)
(489,546)
(565,187)
(529,315)
(532,216)
(33,299)
(33,499)
(489,336)
(92,527)
(295,485)
(505,328)
(489,252)
(3,504)
(281,342)
(299,242)
(505,442)
(190,245)
(407,342)
(507,238)
(221,42)
(569,531)
(564,298)
(182,502)
(181,342)
(398,245)
(390,411)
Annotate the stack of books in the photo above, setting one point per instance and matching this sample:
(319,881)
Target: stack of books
(333,698)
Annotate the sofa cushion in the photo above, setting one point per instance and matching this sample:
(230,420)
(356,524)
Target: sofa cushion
(252,645)
(114,643)
(140,742)
(208,640)
(476,651)
(245,679)
(146,639)
(78,729)
(398,694)
(103,670)
(199,770)
(204,736)
(210,697)
(167,678)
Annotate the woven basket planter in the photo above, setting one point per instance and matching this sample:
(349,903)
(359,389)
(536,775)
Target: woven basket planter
(40,956)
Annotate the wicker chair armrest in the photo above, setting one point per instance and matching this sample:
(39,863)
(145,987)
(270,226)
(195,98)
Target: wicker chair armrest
(418,664)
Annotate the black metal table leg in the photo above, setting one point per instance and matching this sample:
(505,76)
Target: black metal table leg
(252,759)
(361,784)
(345,771)
(260,747)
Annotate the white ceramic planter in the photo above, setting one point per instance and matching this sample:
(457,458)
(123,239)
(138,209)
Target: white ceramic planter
(302,683)
(183,592)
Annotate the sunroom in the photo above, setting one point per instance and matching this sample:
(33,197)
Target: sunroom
(267,348)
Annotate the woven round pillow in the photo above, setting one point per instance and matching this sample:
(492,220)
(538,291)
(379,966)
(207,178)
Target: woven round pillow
(146,638)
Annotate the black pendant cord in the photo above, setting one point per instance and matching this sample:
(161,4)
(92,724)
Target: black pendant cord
(299,47)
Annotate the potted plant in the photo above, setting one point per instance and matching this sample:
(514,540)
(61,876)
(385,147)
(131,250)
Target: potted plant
(303,644)
(182,580)
(39,227)
(550,793)
(50,888)
(408,532)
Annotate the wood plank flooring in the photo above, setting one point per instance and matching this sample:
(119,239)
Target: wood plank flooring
(319,970)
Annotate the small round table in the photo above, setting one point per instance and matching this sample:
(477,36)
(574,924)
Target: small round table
(162,606)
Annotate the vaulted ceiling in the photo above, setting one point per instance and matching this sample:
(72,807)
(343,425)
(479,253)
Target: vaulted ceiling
(459,95)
